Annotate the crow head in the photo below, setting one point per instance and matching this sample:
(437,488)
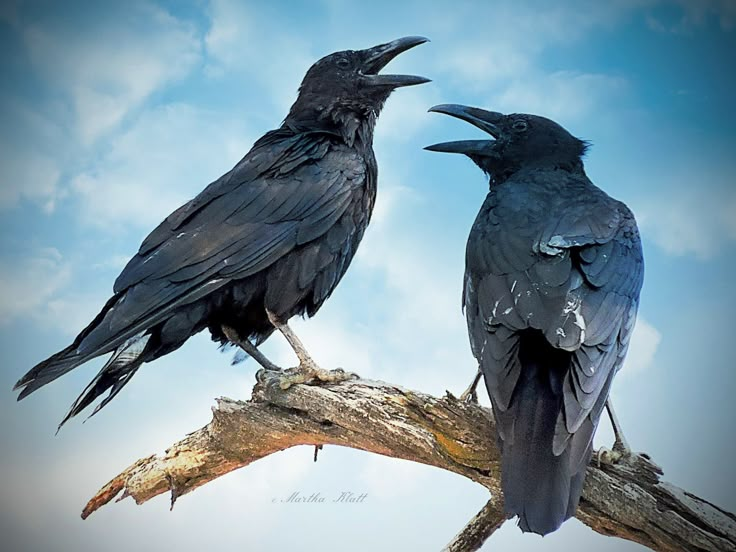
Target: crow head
(520,141)
(345,89)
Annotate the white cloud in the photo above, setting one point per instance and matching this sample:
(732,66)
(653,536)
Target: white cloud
(332,340)
(32,154)
(413,333)
(480,65)
(644,343)
(98,75)
(69,313)
(242,40)
(26,174)
(230,24)
(405,113)
(115,262)
(689,222)
(167,157)
(37,287)
(111,68)
(26,284)
(520,34)
(505,69)
(562,95)
(389,479)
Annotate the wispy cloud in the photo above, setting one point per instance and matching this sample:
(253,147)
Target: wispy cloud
(242,41)
(420,283)
(33,151)
(644,344)
(26,174)
(688,222)
(385,478)
(405,114)
(111,65)
(28,283)
(561,95)
(70,311)
(506,69)
(167,157)
(135,110)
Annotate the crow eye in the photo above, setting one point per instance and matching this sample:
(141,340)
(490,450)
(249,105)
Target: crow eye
(519,125)
(343,63)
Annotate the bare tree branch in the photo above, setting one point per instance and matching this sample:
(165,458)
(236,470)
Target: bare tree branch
(626,500)
(482,526)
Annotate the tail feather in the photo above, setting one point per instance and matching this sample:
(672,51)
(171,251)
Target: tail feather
(114,375)
(541,488)
(64,361)
(48,370)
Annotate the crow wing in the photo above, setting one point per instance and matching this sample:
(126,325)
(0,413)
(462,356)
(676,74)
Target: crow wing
(276,198)
(562,257)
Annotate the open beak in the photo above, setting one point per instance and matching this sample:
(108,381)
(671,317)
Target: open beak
(487,121)
(379,56)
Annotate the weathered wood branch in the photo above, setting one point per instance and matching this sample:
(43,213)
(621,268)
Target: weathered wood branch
(482,526)
(627,500)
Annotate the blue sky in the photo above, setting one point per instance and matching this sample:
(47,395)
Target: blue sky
(113,115)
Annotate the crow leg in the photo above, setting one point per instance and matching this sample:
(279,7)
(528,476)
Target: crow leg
(620,444)
(296,344)
(470,395)
(249,348)
(308,371)
(621,447)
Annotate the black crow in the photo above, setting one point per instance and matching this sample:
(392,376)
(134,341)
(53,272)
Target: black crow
(553,270)
(264,242)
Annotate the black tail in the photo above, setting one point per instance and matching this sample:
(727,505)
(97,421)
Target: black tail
(541,488)
(131,344)
(116,372)
(124,362)
(62,362)
(48,370)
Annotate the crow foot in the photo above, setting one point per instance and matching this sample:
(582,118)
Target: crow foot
(312,374)
(613,456)
(621,449)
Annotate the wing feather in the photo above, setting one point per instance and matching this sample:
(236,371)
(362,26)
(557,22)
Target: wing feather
(270,203)
(568,264)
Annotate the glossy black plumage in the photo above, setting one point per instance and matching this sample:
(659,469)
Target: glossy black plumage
(553,272)
(275,233)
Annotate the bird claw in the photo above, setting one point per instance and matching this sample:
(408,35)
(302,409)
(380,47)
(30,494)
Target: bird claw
(263,373)
(604,455)
(469,396)
(612,456)
(313,374)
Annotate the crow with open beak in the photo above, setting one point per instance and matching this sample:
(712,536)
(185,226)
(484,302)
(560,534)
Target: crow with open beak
(553,271)
(268,240)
